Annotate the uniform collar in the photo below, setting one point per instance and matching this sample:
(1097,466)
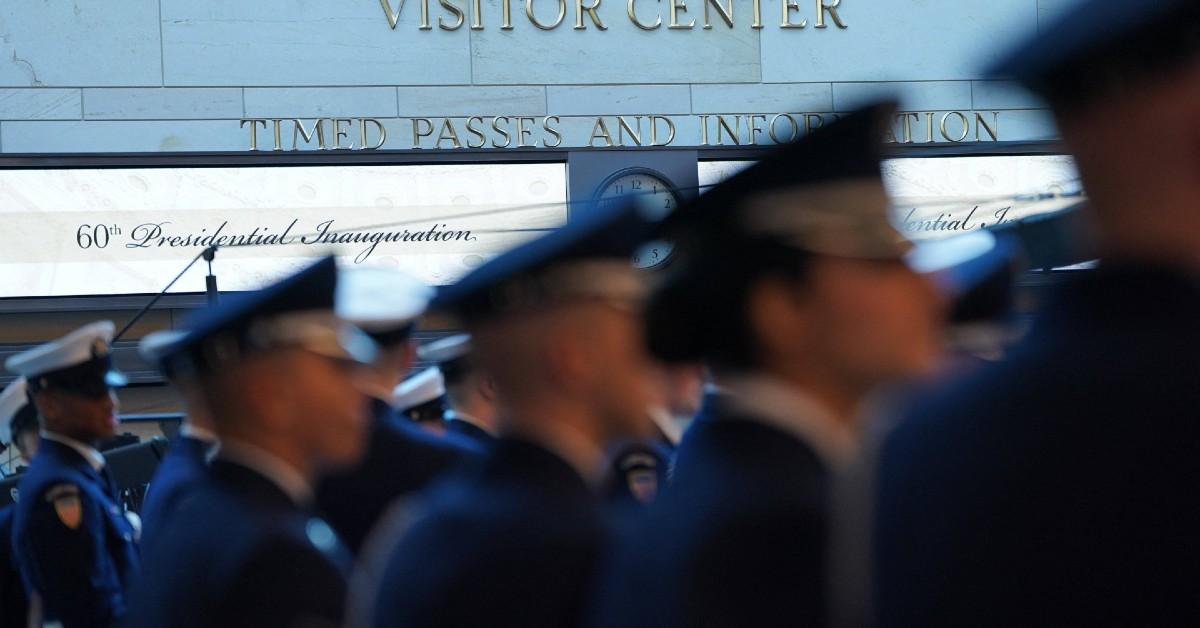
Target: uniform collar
(280,473)
(775,403)
(666,425)
(451,415)
(93,456)
(198,433)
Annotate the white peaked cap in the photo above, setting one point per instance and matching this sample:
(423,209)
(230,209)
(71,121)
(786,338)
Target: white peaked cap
(423,387)
(379,299)
(82,345)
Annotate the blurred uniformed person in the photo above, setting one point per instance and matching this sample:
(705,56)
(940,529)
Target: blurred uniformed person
(470,393)
(421,398)
(76,548)
(182,469)
(17,419)
(641,469)
(401,458)
(20,428)
(793,288)
(1058,487)
(278,374)
(556,323)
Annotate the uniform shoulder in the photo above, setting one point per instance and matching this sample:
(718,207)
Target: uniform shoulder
(45,476)
(448,446)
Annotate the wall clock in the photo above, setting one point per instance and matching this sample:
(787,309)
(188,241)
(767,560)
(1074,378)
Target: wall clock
(661,196)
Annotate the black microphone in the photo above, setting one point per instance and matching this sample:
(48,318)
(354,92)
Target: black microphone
(210,282)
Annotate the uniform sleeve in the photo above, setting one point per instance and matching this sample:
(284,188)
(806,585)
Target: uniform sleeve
(63,547)
(286,584)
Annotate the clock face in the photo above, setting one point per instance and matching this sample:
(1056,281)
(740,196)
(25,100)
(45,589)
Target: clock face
(661,199)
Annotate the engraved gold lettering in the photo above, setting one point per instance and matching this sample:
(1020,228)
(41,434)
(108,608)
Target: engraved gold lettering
(474,130)
(562,14)
(392,16)
(813,121)
(725,12)
(795,128)
(298,131)
(502,131)
(476,15)
(552,130)
(624,127)
(654,120)
(642,25)
(418,132)
(677,7)
(254,122)
(425,26)
(339,133)
(448,134)
(966,126)
(580,9)
(362,133)
(906,126)
(993,130)
(459,16)
(506,15)
(524,133)
(832,10)
(785,21)
(754,129)
(600,131)
(733,131)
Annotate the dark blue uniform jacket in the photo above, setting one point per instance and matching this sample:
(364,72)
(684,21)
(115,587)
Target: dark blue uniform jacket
(401,459)
(737,540)
(514,544)
(240,553)
(1061,486)
(82,572)
(180,472)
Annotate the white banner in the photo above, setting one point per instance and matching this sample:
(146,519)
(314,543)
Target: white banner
(130,231)
(936,197)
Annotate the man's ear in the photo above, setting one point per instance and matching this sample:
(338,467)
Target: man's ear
(487,387)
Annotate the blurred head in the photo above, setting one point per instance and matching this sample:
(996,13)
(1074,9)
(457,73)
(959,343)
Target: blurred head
(24,426)
(1154,123)
(585,357)
(87,418)
(27,443)
(852,323)
(299,405)
(864,322)
(71,380)
(1131,124)
(470,390)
